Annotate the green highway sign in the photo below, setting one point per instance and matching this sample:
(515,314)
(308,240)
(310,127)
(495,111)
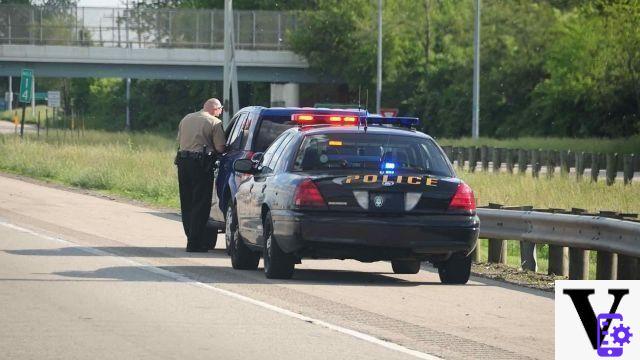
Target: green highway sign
(26,83)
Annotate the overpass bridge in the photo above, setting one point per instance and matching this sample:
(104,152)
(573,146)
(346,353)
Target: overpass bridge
(174,44)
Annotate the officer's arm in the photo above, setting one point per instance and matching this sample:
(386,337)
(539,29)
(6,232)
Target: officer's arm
(219,139)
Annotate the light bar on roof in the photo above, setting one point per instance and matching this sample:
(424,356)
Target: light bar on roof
(409,122)
(335,119)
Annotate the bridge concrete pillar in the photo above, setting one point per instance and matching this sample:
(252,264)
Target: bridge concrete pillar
(285,94)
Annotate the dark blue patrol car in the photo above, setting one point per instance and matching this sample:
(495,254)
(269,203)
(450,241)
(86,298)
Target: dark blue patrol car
(251,131)
(348,186)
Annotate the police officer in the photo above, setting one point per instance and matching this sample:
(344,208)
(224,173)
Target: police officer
(201,138)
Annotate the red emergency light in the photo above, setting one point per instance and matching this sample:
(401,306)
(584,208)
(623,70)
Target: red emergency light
(335,119)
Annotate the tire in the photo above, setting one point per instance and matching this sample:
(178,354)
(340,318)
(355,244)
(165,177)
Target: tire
(455,270)
(228,233)
(210,236)
(405,266)
(242,258)
(277,263)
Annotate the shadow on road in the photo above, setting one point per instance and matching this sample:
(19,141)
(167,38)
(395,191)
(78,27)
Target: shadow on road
(227,275)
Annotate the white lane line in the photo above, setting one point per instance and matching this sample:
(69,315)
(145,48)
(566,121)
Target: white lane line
(262,304)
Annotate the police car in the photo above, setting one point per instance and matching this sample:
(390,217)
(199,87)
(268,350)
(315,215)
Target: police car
(352,186)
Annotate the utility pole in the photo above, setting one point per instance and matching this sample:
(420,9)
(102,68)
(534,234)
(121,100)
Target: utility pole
(379,82)
(230,73)
(10,107)
(475,122)
(127,125)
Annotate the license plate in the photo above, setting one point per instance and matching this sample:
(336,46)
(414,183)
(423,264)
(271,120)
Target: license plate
(386,202)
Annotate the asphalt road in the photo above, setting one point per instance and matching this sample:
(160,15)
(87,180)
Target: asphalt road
(83,276)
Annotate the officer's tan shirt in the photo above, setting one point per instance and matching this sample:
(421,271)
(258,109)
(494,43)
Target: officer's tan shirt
(198,129)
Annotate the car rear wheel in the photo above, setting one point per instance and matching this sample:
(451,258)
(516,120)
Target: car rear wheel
(455,270)
(242,258)
(277,263)
(405,266)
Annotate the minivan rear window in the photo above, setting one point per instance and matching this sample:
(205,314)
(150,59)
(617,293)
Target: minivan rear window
(270,128)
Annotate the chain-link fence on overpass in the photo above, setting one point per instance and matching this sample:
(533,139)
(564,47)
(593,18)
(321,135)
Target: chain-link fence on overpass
(142,28)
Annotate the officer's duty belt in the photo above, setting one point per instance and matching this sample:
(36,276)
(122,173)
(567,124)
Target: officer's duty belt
(184,154)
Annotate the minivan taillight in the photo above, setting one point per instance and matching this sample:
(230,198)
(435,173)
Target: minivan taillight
(307,195)
(463,199)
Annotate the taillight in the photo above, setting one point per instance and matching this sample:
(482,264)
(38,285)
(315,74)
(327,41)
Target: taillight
(463,199)
(307,195)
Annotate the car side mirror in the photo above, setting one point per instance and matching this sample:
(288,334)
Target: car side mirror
(257,157)
(245,166)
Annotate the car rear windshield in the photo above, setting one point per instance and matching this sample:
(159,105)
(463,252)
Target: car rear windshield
(391,154)
(270,128)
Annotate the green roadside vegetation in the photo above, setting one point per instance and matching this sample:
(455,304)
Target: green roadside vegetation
(41,111)
(630,145)
(140,166)
(555,192)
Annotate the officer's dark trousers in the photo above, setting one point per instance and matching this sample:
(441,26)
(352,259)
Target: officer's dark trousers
(196,186)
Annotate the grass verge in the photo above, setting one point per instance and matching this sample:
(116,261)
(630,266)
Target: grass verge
(140,166)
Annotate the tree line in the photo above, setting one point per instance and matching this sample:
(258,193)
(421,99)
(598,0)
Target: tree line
(548,67)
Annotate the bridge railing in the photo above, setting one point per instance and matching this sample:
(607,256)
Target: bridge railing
(142,28)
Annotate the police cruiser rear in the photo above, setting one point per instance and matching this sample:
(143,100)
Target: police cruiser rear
(353,186)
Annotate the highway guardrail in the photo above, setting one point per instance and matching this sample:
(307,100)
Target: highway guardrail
(570,238)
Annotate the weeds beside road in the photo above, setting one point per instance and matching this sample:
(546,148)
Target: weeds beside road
(140,166)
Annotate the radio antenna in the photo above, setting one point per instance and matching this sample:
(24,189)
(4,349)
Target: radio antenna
(367,111)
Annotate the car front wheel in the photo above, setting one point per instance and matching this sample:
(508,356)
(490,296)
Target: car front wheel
(242,258)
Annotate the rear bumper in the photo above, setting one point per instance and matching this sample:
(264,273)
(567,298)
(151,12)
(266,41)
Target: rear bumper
(375,237)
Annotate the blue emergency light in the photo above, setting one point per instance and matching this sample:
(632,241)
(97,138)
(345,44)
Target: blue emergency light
(408,122)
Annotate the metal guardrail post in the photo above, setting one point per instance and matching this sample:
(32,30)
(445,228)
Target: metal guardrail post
(550,162)
(627,267)
(522,161)
(579,165)
(460,157)
(473,160)
(483,158)
(578,264)
(476,257)
(612,168)
(508,157)
(535,163)
(564,162)
(595,166)
(627,168)
(497,251)
(606,266)
(495,160)
(528,258)
(497,247)
(558,260)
